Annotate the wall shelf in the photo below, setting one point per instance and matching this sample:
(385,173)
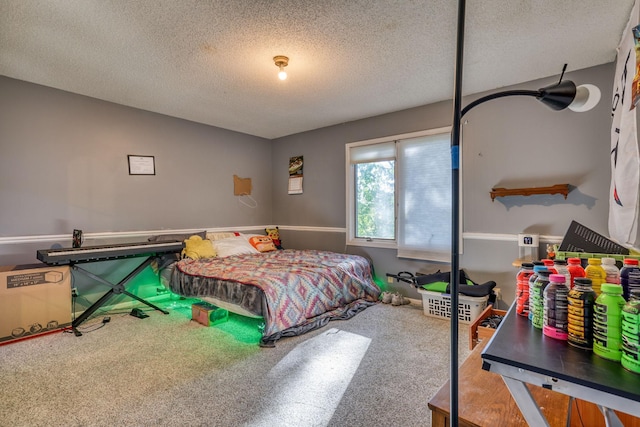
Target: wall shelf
(529,191)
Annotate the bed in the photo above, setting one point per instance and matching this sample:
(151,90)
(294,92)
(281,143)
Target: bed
(294,291)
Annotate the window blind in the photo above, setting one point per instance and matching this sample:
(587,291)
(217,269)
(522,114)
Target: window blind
(424,198)
(372,152)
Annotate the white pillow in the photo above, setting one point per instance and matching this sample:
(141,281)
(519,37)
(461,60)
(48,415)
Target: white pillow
(222,235)
(233,246)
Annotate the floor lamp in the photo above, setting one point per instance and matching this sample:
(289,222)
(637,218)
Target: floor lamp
(559,96)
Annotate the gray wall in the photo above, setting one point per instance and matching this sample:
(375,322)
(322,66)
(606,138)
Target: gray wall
(512,142)
(63,166)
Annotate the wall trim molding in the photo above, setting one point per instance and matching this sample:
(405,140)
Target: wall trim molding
(508,237)
(111,235)
(313,229)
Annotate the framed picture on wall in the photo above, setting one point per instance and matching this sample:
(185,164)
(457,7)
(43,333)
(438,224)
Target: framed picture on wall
(142,165)
(295,174)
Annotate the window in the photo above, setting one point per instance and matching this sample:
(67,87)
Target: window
(399,194)
(374,186)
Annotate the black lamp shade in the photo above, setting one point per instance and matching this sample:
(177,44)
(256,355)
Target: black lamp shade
(558,96)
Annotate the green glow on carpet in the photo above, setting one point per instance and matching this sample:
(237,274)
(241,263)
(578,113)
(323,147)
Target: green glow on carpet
(381,283)
(243,329)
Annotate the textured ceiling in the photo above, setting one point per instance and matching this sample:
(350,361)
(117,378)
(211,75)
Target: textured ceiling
(211,61)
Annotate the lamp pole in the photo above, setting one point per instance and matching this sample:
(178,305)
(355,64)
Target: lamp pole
(455,214)
(557,96)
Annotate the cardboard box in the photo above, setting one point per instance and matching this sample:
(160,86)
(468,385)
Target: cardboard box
(477,332)
(208,314)
(34,299)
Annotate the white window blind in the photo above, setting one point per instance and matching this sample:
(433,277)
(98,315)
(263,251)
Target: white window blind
(372,152)
(424,197)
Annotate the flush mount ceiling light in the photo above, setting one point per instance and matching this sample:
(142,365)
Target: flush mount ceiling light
(281,62)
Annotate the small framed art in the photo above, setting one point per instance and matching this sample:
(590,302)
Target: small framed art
(142,165)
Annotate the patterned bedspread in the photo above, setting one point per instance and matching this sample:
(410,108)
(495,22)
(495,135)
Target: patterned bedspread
(299,288)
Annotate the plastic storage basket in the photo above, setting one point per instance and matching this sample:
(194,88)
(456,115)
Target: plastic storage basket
(438,305)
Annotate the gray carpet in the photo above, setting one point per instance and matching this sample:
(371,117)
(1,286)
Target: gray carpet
(379,368)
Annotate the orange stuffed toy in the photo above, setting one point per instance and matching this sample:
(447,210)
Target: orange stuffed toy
(262,243)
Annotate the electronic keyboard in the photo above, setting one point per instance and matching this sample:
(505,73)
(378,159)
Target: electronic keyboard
(106,252)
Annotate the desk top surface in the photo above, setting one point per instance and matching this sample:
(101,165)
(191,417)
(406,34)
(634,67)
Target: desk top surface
(484,400)
(517,343)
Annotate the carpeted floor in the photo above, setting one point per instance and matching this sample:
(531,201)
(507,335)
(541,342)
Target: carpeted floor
(378,369)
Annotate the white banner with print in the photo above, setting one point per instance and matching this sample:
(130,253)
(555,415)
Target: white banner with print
(625,160)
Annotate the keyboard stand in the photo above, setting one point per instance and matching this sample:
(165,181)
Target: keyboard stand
(118,288)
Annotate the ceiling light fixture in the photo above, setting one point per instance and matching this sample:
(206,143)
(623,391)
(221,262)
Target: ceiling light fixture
(281,62)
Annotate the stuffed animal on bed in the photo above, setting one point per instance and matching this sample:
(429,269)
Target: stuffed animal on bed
(274,233)
(195,247)
(262,243)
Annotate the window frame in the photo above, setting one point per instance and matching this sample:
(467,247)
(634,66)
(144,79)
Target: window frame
(351,239)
